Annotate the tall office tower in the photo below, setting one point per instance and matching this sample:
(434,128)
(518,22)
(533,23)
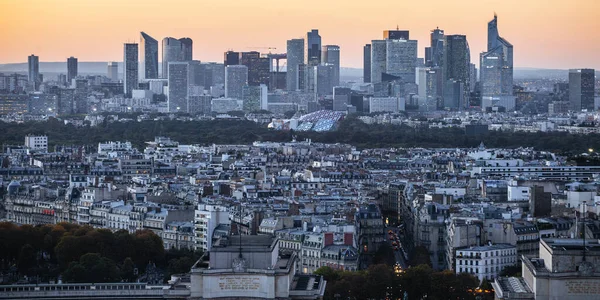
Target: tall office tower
(34,69)
(457,67)
(130,68)
(429,81)
(255,97)
(186,49)
(295,58)
(454,94)
(148,56)
(259,68)
(401,59)
(236,77)
(473,76)
(581,89)
(231,58)
(367,63)
(324,79)
(331,55)
(496,74)
(378,60)
(180,80)
(71,68)
(434,54)
(113,71)
(396,34)
(174,50)
(312,46)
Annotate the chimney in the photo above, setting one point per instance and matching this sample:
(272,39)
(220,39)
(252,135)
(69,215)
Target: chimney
(348,239)
(328,239)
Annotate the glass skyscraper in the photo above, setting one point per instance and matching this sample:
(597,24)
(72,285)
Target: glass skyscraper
(175,50)
(331,55)
(130,68)
(149,56)
(313,48)
(33,63)
(581,89)
(71,68)
(496,70)
(295,59)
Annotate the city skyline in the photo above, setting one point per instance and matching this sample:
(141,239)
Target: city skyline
(222,27)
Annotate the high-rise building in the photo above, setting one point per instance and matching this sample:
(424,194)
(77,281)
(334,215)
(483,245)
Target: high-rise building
(434,54)
(187,49)
(148,56)
(295,58)
(130,68)
(581,89)
(236,77)
(255,97)
(472,76)
(496,71)
(457,65)
(312,50)
(401,59)
(324,79)
(259,68)
(367,63)
(378,60)
(454,94)
(71,68)
(396,35)
(180,80)
(175,50)
(429,81)
(34,69)
(113,71)
(231,58)
(331,55)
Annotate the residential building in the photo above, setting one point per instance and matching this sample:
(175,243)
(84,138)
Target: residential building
(485,262)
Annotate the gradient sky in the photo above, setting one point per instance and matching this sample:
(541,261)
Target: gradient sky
(545,33)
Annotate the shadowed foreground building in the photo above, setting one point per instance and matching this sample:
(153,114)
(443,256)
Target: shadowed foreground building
(249,267)
(564,269)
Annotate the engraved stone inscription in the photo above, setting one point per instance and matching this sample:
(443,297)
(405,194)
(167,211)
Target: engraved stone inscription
(583,287)
(239,283)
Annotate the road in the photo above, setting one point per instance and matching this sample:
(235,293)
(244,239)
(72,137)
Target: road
(398,251)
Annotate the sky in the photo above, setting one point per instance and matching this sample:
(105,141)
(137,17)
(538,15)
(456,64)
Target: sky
(545,33)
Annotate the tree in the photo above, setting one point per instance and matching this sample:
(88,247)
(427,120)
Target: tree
(420,256)
(27,259)
(128,270)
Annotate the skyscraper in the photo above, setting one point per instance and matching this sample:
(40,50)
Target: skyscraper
(581,89)
(401,59)
(259,67)
(148,56)
(34,69)
(323,79)
(331,55)
(231,58)
(367,63)
(113,71)
(130,68)
(434,54)
(496,74)
(71,68)
(187,49)
(175,50)
(236,77)
(180,79)
(295,58)
(457,65)
(378,60)
(312,51)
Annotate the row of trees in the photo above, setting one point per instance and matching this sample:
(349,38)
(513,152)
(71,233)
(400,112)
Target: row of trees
(351,130)
(86,254)
(382,282)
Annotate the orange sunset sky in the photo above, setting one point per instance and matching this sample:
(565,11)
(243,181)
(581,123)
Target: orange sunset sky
(545,33)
